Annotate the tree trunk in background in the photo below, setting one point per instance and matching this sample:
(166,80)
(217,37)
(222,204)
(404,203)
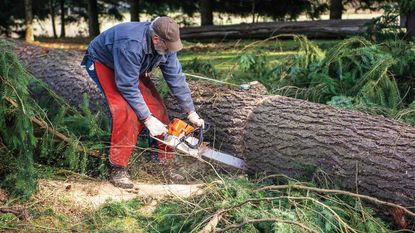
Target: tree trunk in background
(52,17)
(93,23)
(336,9)
(253,11)
(135,10)
(28,20)
(206,12)
(361,153)
(62,6)
(410,24)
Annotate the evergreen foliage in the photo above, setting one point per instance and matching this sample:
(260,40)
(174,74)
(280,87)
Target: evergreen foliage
(240,201)
(201,67)
(375,78)
(17,140)
(22,143)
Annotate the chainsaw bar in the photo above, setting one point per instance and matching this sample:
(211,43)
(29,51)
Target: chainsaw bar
(203,151)
(223,158)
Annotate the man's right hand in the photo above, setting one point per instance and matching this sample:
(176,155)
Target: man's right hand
(155,126)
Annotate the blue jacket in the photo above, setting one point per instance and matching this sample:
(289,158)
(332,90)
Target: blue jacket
(127,49)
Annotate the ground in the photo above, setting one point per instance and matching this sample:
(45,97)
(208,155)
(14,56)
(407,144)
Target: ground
(68,201)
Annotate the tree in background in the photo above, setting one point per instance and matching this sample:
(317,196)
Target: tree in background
(407,9)
(28,20)
(275,9)
(93,23)
(134,10)
(336,9)
(62,8)
(338,6)
(206,12)
(13,18)
(52,17)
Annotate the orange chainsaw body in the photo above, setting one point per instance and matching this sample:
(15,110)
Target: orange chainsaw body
(176,127)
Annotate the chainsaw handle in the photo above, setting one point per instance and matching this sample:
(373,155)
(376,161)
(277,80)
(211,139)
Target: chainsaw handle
(202,130)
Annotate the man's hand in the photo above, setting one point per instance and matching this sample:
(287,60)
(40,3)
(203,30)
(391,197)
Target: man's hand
(155,126)
(194,118)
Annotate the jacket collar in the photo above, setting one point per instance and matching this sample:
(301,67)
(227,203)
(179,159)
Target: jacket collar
(148,49)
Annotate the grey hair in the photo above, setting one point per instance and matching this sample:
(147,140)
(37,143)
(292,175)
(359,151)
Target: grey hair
(151,29)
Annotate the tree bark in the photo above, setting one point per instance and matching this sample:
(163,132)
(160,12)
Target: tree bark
(312,29)
(52,17)
(367,154)
(362,153)
(135,10)
(62,71)
(206,12)
(336,9)
(410,24)
(93,22)
(62,6)
(28,21)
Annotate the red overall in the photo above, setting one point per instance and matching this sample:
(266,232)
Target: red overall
(125,124)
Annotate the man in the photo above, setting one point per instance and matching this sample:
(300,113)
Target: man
(118,61)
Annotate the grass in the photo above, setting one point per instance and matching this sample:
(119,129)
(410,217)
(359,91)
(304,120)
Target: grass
(224,55)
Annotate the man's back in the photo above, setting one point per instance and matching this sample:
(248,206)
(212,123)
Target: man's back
(124,34)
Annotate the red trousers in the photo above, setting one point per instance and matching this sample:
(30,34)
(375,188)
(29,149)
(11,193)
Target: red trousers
(125,124)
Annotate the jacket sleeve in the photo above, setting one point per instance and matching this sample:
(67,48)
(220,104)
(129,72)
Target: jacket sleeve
(176,80)
(127,72)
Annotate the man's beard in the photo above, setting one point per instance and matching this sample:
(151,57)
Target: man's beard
(159,51)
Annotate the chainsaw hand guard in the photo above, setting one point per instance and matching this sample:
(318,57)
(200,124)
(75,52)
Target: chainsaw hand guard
(201,132)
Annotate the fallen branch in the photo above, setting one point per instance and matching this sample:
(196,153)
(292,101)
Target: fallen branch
(19,211)
(211,225)
(336,191)
(236,226)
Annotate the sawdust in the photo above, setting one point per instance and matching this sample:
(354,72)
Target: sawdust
(75,198)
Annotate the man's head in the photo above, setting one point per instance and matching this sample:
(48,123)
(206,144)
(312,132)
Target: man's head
(165,35)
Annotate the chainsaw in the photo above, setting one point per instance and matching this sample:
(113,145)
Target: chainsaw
(187,139)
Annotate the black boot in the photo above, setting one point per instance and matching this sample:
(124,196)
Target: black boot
(119,178)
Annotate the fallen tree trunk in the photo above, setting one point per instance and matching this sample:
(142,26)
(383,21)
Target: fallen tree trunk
(362,153)
(311,29)
(62,71)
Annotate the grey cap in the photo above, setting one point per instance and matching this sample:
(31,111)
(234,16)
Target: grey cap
(168,30)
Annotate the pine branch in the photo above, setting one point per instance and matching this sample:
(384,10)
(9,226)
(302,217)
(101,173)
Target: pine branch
(236,226)
(60,136)
(336,191)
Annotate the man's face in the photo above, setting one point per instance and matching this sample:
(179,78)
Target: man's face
(159,45)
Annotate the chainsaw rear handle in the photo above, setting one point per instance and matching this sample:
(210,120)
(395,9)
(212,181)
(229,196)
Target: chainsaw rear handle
(202,130)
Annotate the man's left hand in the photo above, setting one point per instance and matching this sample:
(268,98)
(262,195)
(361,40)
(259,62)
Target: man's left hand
(195,119)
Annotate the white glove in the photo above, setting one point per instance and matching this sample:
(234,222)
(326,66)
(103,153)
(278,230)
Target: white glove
(155,126)
(194,118)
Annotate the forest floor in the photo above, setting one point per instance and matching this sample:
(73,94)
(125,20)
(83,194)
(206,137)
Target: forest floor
(71,202)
